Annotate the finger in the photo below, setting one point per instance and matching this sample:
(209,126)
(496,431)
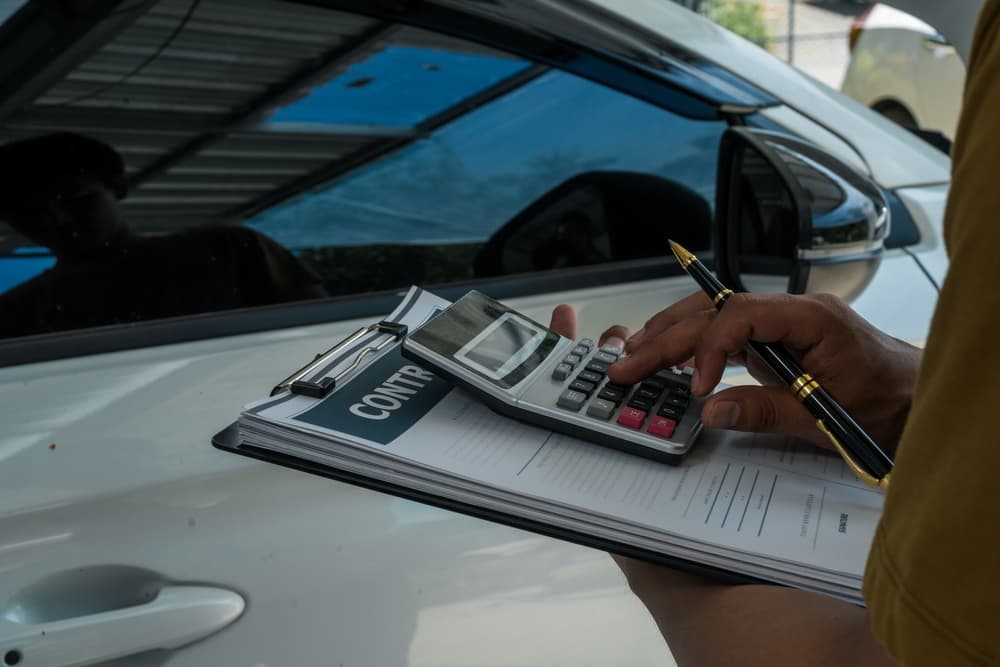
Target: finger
(761,410)
(615,336)
(669,316)
(797,322)
(564,321)
(668,348)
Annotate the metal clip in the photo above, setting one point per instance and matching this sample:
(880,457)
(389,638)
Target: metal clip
(319,389)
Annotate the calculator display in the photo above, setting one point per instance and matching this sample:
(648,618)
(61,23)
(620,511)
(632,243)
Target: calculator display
(485,338)
(502,346)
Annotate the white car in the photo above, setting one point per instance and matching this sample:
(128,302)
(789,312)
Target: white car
(906,70)
(383,144)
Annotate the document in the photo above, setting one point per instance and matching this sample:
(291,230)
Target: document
(763,507)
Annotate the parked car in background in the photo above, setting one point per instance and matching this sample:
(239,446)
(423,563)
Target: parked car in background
(906,70)
(379,144)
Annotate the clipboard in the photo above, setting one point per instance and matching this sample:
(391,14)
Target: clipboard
(313,380)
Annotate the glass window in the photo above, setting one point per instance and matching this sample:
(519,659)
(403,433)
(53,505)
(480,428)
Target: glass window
(203,158)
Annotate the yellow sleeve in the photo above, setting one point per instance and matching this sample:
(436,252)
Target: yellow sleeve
(932,585)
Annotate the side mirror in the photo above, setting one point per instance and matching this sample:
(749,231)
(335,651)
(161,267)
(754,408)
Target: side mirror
(791,217)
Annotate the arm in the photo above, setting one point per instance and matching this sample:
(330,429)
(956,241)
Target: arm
(708,623)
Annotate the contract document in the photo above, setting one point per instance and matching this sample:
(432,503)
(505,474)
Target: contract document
(741,506)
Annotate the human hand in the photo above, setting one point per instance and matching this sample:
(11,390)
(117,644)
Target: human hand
(872,375)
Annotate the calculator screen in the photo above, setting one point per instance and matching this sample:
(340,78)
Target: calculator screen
(502,343)
(479,335)
(501,346)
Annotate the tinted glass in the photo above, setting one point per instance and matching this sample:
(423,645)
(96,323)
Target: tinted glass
(221,155)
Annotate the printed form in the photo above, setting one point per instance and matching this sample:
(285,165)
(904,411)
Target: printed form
(770,501)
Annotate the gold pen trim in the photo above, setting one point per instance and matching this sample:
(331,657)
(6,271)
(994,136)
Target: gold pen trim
(803,393)
(684,256)
(721,295)
(800,382)
(861,473)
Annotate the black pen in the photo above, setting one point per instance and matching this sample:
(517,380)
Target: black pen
(862,454)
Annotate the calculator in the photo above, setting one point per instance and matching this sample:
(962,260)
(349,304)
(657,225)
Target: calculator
(524,370)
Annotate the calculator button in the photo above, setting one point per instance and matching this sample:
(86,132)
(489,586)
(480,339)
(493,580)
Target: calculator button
(681,392)
(662,427)
(590,376)
(561,372)
(587,343)
(582,386)
(647,394)
(605,357)
(631,417)
(572,360)
(597,367)
(671,412)
(624,388)
(571,400)
(613,394)
(643,404)
(673,379)
(612,350)
(581,351)
(652,384)
(600,409)
(676,401)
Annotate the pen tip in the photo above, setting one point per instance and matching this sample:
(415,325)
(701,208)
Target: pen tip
(682,254)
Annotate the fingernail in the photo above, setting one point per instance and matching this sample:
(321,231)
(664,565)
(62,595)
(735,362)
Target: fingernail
(637,336)
(615,341)
(722,415)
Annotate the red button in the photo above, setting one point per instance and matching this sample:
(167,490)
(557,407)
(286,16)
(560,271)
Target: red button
(662,426)
(631,417)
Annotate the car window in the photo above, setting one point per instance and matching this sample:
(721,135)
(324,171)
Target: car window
(195,159)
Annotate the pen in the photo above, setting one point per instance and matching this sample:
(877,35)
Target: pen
(861,454)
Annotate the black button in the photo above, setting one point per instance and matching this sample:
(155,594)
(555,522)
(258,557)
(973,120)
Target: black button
(590,376)
(681,403)
(681,392)
(653,385)
(640,403)
(670,412)
(583,387)
(650,394)
(598,367)
(623,387)
(612,394)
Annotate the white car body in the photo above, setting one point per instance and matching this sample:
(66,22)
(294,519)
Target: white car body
(107,463)
(903,67)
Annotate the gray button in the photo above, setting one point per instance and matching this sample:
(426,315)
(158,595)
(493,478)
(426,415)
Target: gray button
(605,357)
(600,409)
(572,359)
(581,351)
(561,372)
(571,400)
(586,342)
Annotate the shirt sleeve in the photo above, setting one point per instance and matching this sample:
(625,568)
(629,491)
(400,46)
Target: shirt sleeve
(931,585)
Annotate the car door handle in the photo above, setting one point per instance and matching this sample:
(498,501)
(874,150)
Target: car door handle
(178,615)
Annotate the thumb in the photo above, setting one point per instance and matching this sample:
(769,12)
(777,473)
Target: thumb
(761,410)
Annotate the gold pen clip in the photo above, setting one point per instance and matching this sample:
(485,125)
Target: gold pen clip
(804,385)
(861,473)
(319,389)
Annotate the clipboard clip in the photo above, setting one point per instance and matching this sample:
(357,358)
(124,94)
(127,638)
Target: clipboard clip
(319,389)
